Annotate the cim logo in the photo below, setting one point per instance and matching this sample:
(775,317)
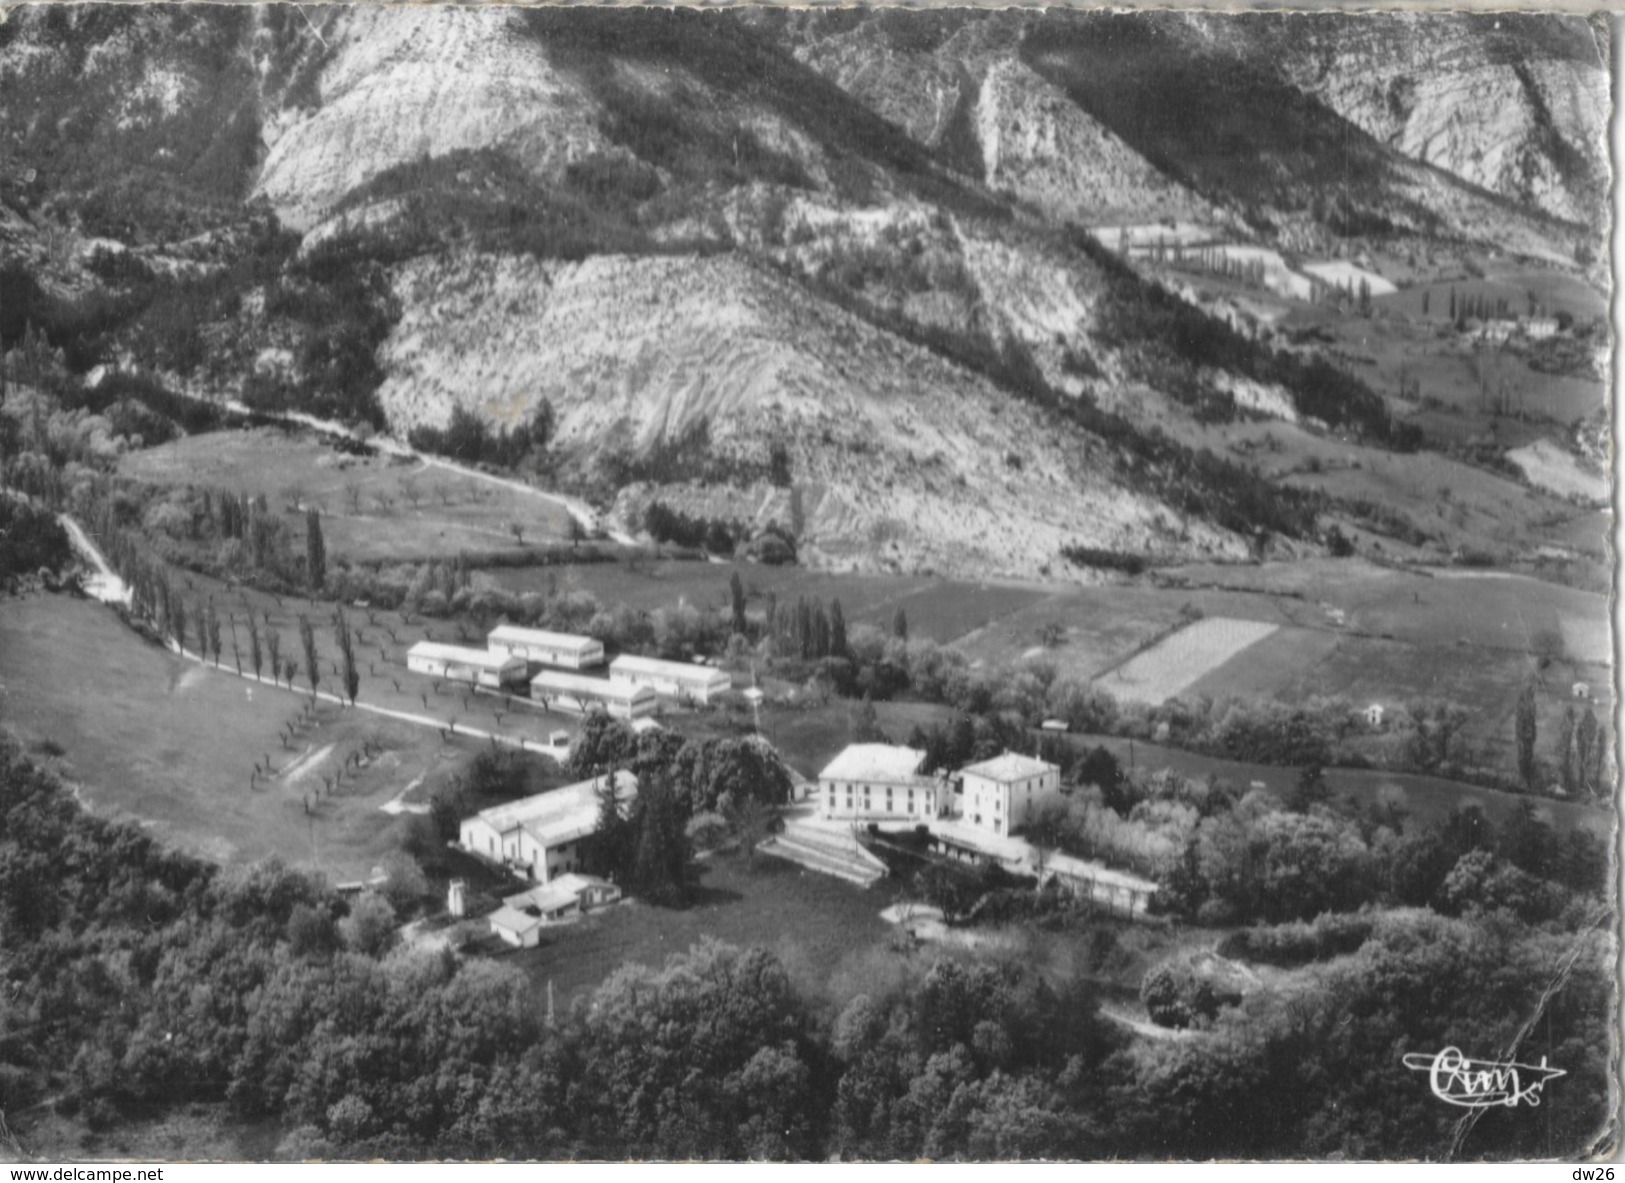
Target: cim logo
(1482,1084)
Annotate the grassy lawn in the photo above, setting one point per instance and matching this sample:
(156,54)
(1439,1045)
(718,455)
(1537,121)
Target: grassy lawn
(817,924)
(367,503)
(950,610)
(171,744)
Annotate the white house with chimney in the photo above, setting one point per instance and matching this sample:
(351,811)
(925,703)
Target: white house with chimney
(542,837)
(1001,794)
(878,782)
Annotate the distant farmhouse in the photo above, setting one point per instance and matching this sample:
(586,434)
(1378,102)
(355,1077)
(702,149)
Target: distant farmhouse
(539,648)
(542,836)
(480,667)
(878,782)
(582,693)
(1001,794)
(676,679)
(520,920)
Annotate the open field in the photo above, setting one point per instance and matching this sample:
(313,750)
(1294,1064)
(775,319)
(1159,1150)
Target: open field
(1171,665)
(367,502)
(944,610)
(1558,470)
(168,743)
(815,923)
(648,584)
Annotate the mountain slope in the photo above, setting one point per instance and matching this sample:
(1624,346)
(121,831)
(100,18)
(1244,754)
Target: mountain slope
(1518,106)
(901,455)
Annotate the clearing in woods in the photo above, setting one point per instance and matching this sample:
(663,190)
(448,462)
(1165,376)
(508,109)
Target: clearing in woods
(373,507)
(170,744)
(1176,662)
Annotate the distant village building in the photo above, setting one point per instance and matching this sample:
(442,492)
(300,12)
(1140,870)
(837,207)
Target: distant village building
(520,920)
(582,693)
(478,667)
(542,836)
(1000,794)
(1582,691)
(540,648)
(676,679)
(877,782)
(1373,716)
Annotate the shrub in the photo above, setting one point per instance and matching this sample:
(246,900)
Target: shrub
(1329,935)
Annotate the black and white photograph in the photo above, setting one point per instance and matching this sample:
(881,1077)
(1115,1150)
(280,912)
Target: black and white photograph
(806,584)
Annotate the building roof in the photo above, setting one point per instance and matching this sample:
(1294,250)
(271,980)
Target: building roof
(876,762)
(1010,766)
(1077,868)
(513,919)
(654,667)
(547,816)
(567,683)
(483,658)
(544,639)
(557,893)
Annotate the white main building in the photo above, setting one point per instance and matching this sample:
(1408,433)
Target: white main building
(877,782)
(883,783)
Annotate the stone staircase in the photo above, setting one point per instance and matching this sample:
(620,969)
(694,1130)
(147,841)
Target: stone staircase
(828,849)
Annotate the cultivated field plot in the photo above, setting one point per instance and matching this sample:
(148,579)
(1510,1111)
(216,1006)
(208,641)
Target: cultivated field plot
(1262,668)
(1101,625)
(821,927)
(374,507)
(1172,665)
(171,744)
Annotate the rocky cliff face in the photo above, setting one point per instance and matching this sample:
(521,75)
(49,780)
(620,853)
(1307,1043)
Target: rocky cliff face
(1518,107)
(396,85)
(902,457)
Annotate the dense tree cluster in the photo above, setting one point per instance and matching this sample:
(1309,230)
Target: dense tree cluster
(1221,856)
(31,540)
(681,784)
(665,524)
(470,439)
(139,978)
